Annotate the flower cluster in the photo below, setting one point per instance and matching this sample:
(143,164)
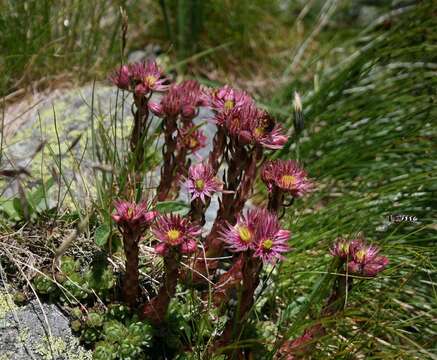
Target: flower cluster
(362,259)
(260,232)
(175,232)
(181,99)
(287,176)
(132,217)
(141,78)
(227,98)
(191,139)
(238,114)
(244,132)
(202,182)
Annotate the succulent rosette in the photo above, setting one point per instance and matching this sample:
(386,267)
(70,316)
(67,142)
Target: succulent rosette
(202,182)
(286,175)
(175,232)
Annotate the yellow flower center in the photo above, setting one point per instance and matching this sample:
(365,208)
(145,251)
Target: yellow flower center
(288,181)
(360,254)
(173,235)
(192,143)
(229,104)
(267,244)
(344,247)
(200,184)
(150,80)
(130,212)
(245,234)
(259,131)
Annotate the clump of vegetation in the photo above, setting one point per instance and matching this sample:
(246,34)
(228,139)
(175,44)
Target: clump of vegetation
(171,281)
(224,265)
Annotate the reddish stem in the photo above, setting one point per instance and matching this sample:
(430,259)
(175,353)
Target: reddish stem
(168,155)
(251,270)
(131,280)
(156,309)
(219,144)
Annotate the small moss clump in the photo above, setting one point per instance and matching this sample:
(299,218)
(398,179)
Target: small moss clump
(6,304)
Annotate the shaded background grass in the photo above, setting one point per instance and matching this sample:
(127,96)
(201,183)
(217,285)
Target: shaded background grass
(369,91)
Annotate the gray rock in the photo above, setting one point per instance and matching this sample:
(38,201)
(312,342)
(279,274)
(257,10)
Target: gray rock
(29,124)
(150,51)
(25,334)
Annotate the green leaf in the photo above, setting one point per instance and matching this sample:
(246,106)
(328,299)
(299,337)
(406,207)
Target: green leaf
(36,197)
(18,207)
(172,206)
(8,207)
(102,234)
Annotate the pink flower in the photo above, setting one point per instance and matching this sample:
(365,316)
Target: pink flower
(341,249)
(264,130)
(259,231)
(170,105)
(149,75)
(237,120)
(287,176)
(141,77)
(202,182)
(191,139)
(226,98)
(362,259)
(233,110)
(192,97)
(120,78)
(175,232)
(181,99)
(366,261)
(141,90)
(132,217)
(252,125)
(271,240)
(242,235)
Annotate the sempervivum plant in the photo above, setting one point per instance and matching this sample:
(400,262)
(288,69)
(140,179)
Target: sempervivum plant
(361,259)
(223,261)
(132,220)
(260,239)
(176,236)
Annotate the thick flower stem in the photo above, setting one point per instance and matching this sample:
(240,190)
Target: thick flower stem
(335,302)
(141,115)
(239,164)
(168,155)
(251,270)
(131,282)
(219,144)
(156,309)
(197,211)
(276,199)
